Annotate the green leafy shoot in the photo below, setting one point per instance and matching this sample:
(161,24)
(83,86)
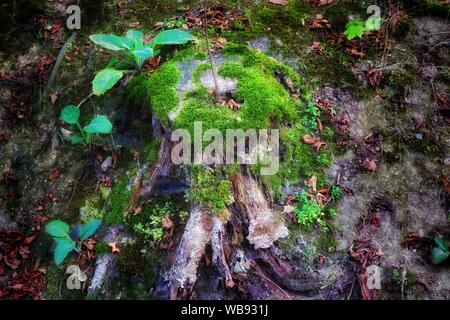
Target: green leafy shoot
(440,253)
(105,80)
(59,231)
(99,125)
(355,28)
(134,46)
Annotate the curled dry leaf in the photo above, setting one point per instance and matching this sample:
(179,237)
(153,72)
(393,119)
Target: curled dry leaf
(319,23)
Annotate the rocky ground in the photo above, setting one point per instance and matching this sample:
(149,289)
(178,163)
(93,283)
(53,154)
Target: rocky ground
(383,102)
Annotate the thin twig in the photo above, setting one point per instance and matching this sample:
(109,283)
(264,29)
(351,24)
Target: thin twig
(205,8)
(59,60)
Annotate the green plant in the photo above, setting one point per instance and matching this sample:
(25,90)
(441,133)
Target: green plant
(440,253)
(310,115)
(151,229)
(209,190)
(98,125)
(308,211)
(59,231)
(336,192)
(135,51)
(356,28)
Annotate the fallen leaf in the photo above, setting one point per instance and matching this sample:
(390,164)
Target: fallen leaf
(114,247)
(319,23)
(53,98)
(312,183)
(55,175)
(288,209)
(278,2)
(29,240)
(370,165)
(134,24)
(316,47)
(355,52)
(167,223)
(308,139)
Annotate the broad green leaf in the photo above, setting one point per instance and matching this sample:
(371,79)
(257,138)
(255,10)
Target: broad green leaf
(105,80)
(438,255)
(63,248)
(108,41)
(70,114)
(441,243)
(144,54)
(137,38)
(373,24)
(57,229)
(75,139)
(99,125)
(89,229)
(354,28)
(127,43)
(173,37)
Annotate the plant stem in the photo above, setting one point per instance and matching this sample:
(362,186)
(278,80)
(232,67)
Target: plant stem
(85,100)
(82,133)
(216,85)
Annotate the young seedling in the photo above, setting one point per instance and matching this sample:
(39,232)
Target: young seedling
(135,52)
(356,28)
(98,125)
(440,253)
(59,231)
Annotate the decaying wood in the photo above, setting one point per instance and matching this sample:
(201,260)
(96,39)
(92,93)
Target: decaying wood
(265,225)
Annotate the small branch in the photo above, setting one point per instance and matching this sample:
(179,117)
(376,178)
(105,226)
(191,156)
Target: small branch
(59,60)
(216,85)
(85,100)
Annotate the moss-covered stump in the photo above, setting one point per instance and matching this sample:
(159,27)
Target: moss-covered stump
(251,91)
(269,93)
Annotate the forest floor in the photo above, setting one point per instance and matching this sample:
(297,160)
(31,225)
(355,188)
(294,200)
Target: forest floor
(386,174)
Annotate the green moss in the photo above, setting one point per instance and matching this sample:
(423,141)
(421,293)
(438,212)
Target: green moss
(326,243)
(209,189)
(137,89)
(161,90)
(93,208)
(199,70)
(118,201)
(101,248)
(194,53)
(151,150)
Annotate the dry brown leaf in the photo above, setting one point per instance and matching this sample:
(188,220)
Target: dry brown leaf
(167,223)
(53,98)
(114,247)
(288,209)
(134,24)
(312,183)
(316,47)
(370,165)
(278,2)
